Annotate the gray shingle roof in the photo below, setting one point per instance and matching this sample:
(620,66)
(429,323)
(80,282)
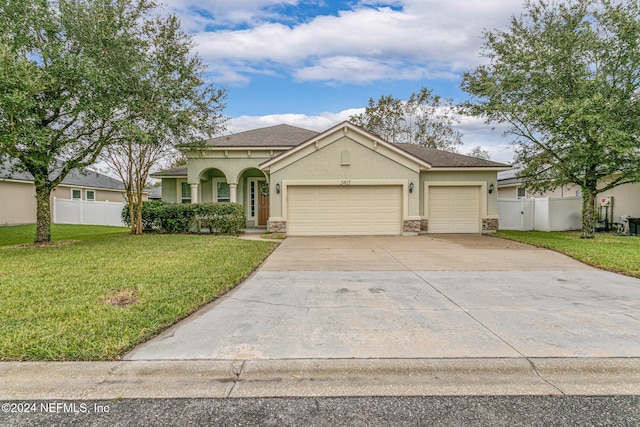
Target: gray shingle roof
(272,136)
(290,136)
(178,171)
(154,193)
(445,159)
(80,178)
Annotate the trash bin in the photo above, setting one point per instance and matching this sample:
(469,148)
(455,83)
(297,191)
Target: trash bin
(634,226)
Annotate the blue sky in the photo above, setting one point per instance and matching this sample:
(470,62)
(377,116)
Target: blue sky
(313,63)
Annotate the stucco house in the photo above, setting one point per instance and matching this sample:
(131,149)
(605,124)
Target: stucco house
(18,192)
(343,181)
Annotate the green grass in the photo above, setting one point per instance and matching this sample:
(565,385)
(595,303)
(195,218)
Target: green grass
(620,254)
(98,297)
(275,236)
(20,234)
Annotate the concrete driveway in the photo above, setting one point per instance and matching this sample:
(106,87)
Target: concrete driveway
(445,296)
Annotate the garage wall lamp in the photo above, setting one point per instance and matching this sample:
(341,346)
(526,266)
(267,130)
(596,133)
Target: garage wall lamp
(411,187)
(278,188)
(490,188)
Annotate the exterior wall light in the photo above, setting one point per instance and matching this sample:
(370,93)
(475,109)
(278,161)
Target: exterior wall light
(278,188)
(411,187)
(490,188)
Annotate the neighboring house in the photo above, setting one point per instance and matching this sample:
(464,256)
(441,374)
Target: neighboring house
(154,193)
(343,181)
(17,192)
(623,199)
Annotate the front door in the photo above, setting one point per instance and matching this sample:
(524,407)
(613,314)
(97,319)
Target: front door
(263,203)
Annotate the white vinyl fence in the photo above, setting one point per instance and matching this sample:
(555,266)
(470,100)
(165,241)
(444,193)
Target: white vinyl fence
(542,214)
(86,212)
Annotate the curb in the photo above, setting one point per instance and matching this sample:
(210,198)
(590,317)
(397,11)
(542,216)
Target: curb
(318,377)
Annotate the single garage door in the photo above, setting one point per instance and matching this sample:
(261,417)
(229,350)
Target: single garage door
(344,210)
(454,210)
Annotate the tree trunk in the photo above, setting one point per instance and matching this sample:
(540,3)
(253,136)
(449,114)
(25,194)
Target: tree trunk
(132,213)
(588,214)
(138,212)
(43,213)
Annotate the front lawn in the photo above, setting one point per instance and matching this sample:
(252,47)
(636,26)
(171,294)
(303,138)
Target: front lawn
(620,254)
(102,293)
(20,234)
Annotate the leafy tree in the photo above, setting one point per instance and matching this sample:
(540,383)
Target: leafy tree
(480,153)
(424,119)
(565,77)
(133,162)
(77,76)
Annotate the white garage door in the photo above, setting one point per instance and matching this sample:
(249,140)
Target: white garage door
(344,210)
(454,210)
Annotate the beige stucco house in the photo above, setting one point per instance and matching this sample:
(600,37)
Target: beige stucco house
(18,192)
(343,181)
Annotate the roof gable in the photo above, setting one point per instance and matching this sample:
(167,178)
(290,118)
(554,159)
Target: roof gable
(355,133)
(272,136)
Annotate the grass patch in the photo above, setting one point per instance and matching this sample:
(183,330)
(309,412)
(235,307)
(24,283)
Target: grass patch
(274,236)
(608,252)
(110,291)
(24,234)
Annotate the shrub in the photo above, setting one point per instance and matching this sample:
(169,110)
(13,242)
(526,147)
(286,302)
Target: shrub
(221,218)
(152,213)
(173,218)
(176,218)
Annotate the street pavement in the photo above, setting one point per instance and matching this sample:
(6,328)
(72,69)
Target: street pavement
(382,316)
(494,411)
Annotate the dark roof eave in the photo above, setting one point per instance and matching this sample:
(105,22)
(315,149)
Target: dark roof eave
(487,168)
(160,175)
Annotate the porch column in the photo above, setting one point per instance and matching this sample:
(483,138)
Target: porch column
(194,193)
(233,195)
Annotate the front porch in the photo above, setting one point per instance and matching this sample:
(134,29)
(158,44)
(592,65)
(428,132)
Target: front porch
(249,188)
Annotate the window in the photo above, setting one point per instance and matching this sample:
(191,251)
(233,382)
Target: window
(252,199)
(223,192)
(186,192)
(76,194)
(91,195)
(521,193)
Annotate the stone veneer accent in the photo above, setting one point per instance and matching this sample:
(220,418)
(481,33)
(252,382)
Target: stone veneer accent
(489,225)
(424,224)
(277,226)
(411,226)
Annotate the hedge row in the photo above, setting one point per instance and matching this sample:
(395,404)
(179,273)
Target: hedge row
(172,218)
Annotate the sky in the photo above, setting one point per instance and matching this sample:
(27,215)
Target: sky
(314,63)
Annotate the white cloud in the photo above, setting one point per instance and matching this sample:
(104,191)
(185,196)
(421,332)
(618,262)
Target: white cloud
(475,132)
(320,122)
(349,69)
(439,37)
(196,15)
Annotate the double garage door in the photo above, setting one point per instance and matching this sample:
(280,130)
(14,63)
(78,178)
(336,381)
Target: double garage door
(344,210)
(377,210)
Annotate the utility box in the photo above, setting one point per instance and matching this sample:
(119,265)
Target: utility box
(634,226)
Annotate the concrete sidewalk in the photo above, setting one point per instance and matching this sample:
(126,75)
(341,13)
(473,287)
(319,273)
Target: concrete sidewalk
(325,377)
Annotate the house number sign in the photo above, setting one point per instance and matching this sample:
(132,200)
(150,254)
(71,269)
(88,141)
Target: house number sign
(345,182)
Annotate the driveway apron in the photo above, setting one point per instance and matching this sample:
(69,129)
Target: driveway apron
(432,296)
